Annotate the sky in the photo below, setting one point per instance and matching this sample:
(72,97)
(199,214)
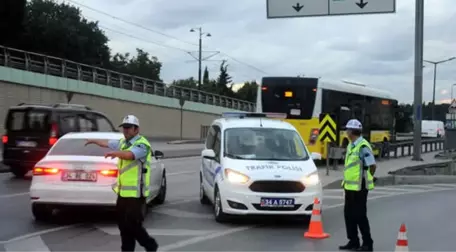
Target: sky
(375,50)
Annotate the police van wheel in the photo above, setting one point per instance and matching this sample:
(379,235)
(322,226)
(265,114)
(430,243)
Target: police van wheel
(202,194)
(161,197)
(220,216)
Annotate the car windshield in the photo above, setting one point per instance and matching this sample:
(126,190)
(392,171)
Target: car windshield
(264,144)
(76,147)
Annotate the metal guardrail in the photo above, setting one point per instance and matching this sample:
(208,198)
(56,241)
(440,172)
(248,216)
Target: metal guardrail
(40,63)
(398,148)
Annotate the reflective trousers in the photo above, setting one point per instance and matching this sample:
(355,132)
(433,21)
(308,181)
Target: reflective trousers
(130,222)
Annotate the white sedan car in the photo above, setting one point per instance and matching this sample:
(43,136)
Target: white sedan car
(72,174)
(257,166)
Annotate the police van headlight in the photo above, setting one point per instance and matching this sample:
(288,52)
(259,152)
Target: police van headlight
(236,177)
(311,179)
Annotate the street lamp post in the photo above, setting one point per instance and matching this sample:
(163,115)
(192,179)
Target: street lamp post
(200,44)
(435,63)
(452,92)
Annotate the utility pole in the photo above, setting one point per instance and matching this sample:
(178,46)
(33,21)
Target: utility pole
(200,52)
(418,90)
(435,63)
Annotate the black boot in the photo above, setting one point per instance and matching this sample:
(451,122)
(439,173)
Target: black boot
(352,246)
(368,248)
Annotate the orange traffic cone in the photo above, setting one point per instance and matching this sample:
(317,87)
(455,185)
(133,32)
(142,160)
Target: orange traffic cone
(315,226)
(402,242)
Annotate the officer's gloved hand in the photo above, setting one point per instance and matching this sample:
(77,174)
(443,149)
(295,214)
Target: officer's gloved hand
(375,179)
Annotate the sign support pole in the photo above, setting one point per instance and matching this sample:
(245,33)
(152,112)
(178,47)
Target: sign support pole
(418,95)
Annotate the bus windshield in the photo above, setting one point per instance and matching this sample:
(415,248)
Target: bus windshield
(293,96)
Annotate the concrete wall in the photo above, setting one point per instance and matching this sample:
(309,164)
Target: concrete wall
(157,121)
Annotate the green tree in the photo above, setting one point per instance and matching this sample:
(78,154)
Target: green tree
(224,83)
(145,66)
(188,83)
(206,79)
(248,91)
(59,30)
(11,21)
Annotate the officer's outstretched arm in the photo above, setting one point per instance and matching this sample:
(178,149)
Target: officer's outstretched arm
(125,155)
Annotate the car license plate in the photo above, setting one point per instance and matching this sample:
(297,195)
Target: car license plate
(29,144)
(277,202)
(87,176)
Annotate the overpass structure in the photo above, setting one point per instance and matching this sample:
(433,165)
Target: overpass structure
(35,78)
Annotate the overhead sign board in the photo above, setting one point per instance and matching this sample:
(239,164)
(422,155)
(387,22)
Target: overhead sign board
(313,8)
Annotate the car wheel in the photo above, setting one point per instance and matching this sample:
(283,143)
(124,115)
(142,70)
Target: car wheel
(220,216)
(19,171)
(41,212)
(161,197)
(203,198)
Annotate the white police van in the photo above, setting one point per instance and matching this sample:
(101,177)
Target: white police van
(253,164)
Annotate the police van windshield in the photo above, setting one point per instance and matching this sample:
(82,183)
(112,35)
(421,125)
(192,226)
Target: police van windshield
(264,144)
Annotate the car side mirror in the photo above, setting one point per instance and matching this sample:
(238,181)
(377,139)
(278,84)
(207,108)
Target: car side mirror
(158,154)
(208,154)
(316,156)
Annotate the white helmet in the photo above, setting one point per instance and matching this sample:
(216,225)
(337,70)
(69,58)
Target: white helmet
(354,124)
(130,120)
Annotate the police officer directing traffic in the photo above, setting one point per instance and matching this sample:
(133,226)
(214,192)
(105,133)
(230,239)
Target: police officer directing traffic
(132,187)
(358,180)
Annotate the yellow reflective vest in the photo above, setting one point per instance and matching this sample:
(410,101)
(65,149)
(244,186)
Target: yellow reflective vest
(353,170)
(133,176)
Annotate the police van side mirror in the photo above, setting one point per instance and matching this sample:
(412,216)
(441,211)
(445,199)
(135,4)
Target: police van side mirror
(208,154)
(158,154)
(316,156)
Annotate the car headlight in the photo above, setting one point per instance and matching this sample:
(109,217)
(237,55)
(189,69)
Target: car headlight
(236,177)
(311,179)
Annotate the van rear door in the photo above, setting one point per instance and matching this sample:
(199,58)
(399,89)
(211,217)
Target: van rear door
(28,131)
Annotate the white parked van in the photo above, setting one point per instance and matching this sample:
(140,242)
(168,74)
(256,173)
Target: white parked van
(432,128)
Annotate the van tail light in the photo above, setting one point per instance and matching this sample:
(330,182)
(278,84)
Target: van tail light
(54,133)
(39,171)
(4,139)
(313,136)
(109,173)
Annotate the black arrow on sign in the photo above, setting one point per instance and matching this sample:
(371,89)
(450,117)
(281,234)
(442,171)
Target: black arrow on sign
(298,7)
(361,4)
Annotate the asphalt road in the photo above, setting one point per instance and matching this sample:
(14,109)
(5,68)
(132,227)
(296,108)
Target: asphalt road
(182,224)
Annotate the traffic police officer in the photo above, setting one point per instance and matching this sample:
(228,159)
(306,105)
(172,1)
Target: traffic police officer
(134,154)
(358,180)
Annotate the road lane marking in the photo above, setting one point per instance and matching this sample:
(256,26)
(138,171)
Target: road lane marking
(214,235)
(198,239)
(114,230)
(30,244)
(2,196)
(180,173)
(38,233)
(418,187)
(183,214)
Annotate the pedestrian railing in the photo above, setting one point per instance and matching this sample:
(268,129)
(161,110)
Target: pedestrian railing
(40,63)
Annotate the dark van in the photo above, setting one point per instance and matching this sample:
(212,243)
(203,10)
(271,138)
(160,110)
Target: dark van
(32,129)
